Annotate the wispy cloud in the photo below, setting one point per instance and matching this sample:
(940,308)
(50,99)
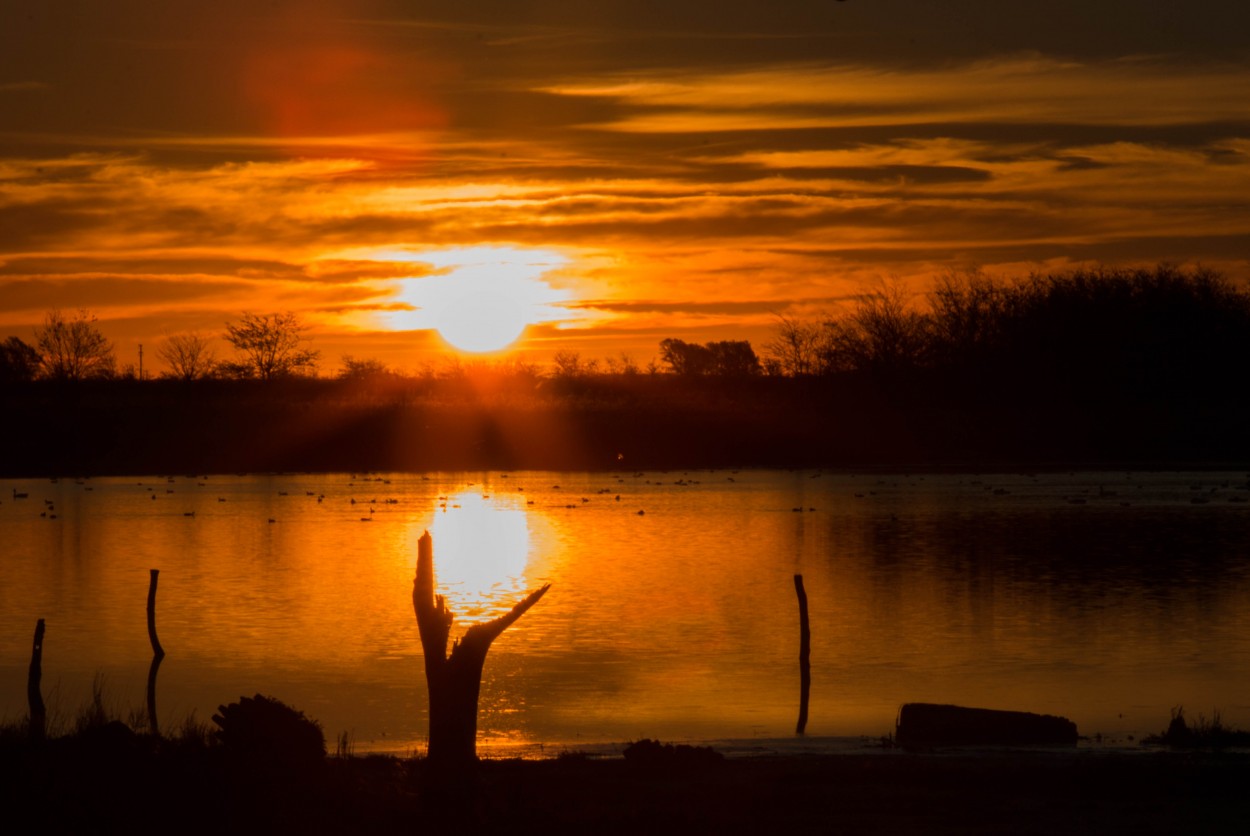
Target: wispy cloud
(1020,89)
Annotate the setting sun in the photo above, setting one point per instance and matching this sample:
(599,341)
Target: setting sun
(481,299)
(480,321)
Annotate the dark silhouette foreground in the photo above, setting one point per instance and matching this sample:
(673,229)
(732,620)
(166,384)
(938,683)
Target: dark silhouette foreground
(116,781)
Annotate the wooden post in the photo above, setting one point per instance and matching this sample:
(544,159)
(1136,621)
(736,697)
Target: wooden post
(38,713)
(157,650)
(158,654)
(805,649)
(453,681)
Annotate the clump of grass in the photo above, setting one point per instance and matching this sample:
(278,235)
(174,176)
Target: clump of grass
(652,753)
(266,729)
(98,712)
(93,713)
(193,734)
(1204,734)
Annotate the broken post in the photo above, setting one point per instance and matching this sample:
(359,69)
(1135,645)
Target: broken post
(454,681)
(157,650)
(158,653)
(805,650)
(38,714)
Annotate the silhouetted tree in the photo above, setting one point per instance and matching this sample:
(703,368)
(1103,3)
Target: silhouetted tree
(18,361)
(621,364)
(569,364)
(881,335)
(968,317)
(796,349)
(727,358)
(190,357)
(686,358)
(733,358)
(362,369)
(73,349)
(270,346)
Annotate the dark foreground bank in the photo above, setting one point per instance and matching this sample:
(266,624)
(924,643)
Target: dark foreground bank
(132,785)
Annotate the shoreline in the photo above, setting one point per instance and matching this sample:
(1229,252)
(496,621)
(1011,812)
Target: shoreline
(111,782)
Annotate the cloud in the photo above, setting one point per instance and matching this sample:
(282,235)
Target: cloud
(1020,89)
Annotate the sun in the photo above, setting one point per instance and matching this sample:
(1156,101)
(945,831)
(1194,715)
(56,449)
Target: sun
(481,321)
(481,299)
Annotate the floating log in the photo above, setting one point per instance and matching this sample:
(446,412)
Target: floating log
(926,724)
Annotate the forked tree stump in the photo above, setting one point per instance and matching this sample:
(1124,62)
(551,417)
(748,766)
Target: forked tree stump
(454,680)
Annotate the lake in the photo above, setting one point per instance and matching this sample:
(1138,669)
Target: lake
(1107,597)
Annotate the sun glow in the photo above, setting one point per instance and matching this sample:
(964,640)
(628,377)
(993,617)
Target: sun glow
(481,549)
(482,299)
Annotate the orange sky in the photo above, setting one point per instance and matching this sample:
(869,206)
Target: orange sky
(622,171)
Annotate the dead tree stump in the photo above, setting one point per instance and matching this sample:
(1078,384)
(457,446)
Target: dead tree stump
(454,680)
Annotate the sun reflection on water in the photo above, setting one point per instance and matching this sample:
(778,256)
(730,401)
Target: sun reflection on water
(481,550)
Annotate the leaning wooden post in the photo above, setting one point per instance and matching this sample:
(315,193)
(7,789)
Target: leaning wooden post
(805,650)
(38,713)
(157,650)
(158,653)
(453,681)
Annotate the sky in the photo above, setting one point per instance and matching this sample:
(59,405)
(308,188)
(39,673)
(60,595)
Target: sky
(602,175)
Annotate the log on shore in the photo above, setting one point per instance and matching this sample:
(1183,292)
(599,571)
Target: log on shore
(927,724)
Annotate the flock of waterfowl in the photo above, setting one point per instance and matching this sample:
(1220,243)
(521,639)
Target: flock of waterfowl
(1124,494)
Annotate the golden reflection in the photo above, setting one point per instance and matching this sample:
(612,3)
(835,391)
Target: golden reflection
(481,548)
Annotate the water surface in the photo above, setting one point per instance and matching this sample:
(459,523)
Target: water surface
(1105,597)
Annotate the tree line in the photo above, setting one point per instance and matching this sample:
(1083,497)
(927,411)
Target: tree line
(273,346)
(73,348)
(1077,331)
(1134,367)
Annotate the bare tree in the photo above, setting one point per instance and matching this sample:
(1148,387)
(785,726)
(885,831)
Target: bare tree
(362,369)
(270,346)
(883,334)
(189,356)
(570,364)
(795,351)
(74,349)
